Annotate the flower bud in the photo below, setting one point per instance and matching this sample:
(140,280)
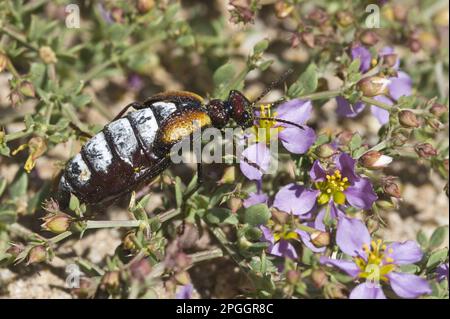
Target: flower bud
(57,223)
(140,269)
(438,109)
(15,97)
(369,38)
(3,61)
(344,18)
(373,86)
(345,137)
(375,159)
(318,16)
(234,203)
(390,187)
(85,290)
(27,89)
(414,45)
(320,239)
(390,60)
(385,205)
(36,255)
(319,278)
(425,150)
(408,119)
(308,39)
(47,55)
(145,6)
(110,282)
(283,9)
(14,250)
(292,277)
(325,151)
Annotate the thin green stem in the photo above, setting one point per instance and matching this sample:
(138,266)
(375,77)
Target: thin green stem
(307,229)
(321,95)
(382,105)
(206,255)
(16,135)
(18,37)
(60,237)
(95,224)
(169,215)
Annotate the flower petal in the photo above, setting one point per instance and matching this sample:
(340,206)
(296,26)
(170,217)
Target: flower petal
(408,285)
(400,86)
(185,292)
(296,140)
(346,164)
(255,161)
(367,290)
(296,111)
(283,248)
(352,235)
(345,109)
(255,198)
(365,57)
(361,194)
(295,199)
(405,253)
(317,173)
(267,235)
(345,265)
(442,272)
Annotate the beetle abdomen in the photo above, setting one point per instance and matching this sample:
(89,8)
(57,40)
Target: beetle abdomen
(116,158)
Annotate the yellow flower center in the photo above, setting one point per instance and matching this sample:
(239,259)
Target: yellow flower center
(332,188)
(378,263)
(285,235)
(265,130)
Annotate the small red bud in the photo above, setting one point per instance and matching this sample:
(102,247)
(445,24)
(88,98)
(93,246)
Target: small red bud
(425,150)
(319,277)
(373,86)
(320,239)
(37,254)
(408,119)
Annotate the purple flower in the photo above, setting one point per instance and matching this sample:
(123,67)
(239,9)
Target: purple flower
(185,292)
(341,185)
(279,242)
(365,57)
(374,262)
(442,272)
(398,86)
(255,159)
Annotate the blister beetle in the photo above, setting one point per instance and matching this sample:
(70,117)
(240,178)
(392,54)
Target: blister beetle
(136,148)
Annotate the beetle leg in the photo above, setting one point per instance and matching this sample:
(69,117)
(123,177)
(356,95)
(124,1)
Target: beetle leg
(135,105)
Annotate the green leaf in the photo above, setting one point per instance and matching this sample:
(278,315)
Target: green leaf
(354,66)
(306,83)
(186,41)
(19,186)
(257,215)
(224,74)
(355,142)
(438,237)
(218,216)
(253,233)
(260,47)
(437,257)
(410,269)
(422,240)
(7,216)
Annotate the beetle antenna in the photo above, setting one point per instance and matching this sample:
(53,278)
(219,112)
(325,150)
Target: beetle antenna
(279,120)
(282,78)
